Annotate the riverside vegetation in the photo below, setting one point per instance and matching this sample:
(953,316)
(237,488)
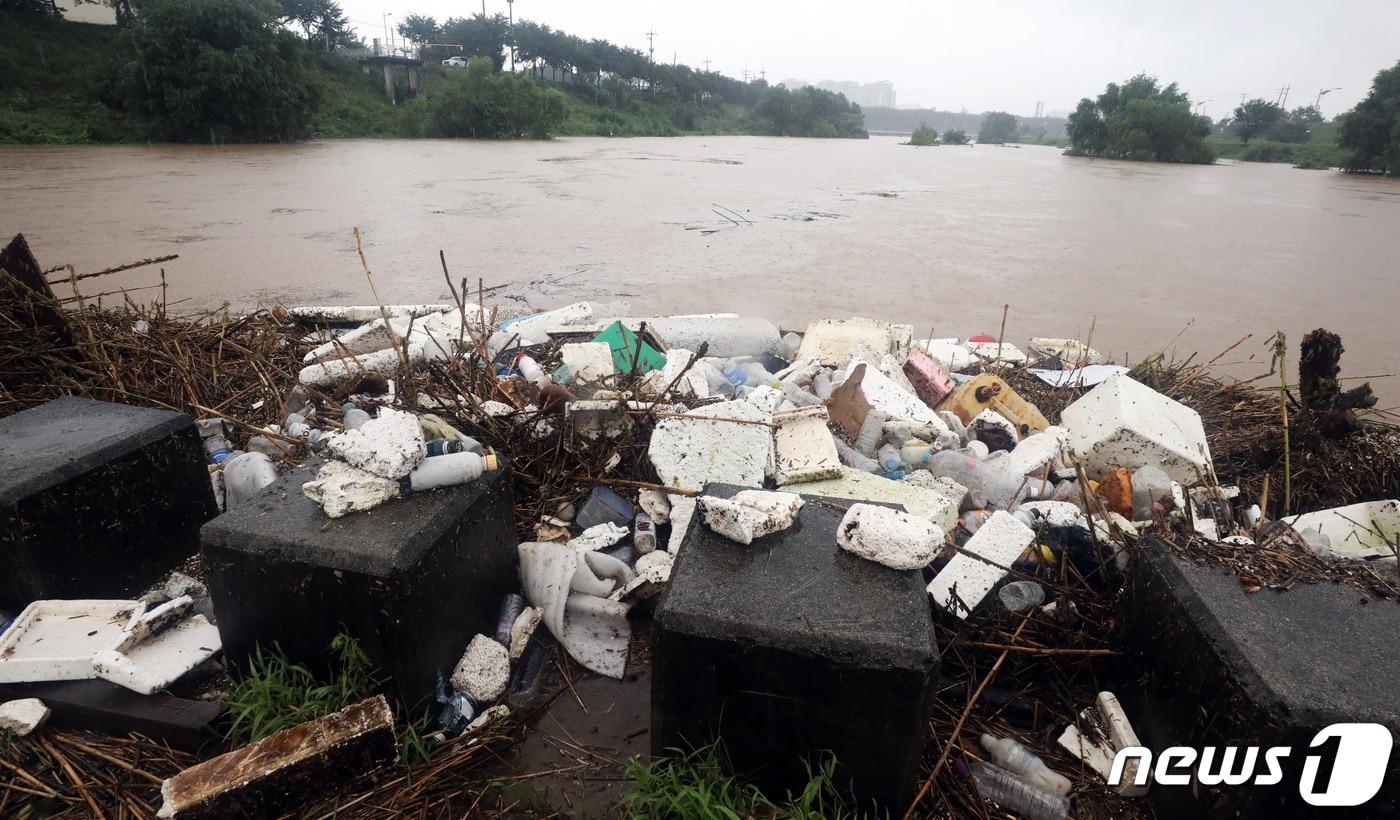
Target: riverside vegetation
(261,71)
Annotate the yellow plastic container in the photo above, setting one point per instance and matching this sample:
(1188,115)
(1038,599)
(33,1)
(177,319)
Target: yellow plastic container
(989,392)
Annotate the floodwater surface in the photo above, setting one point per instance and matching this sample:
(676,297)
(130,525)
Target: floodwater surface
(785,228)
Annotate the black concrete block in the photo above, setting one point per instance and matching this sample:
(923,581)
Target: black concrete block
(97,500)
(790,648)
(413,579)
(1229,667)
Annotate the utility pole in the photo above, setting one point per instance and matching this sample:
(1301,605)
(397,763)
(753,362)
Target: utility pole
(651,46)
(763,74)
(390,42)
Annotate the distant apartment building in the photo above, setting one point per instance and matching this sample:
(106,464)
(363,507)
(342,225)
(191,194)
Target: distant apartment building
(866,95)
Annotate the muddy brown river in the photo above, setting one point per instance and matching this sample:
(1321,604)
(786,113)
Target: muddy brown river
(789,229)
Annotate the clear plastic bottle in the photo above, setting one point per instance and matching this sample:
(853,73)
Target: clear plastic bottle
(798,395)
(983,481)
(643,534)
(1030,801)
(1019,760)
(447,471)
(821,385)
(851,457)
(353,417)
(889,458)
(917,453)
(870,429)
(531,370)
(734,372)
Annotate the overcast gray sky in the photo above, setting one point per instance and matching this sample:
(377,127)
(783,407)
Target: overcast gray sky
(1009,54)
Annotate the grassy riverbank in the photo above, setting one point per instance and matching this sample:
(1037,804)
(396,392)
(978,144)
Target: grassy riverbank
(61,83)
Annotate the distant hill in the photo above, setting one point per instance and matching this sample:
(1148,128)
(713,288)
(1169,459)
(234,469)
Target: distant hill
(905,120)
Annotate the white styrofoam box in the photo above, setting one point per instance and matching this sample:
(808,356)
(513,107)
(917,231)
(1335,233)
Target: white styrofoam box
(885,395)
(56,640)
(160,660)
(1001,540)
(896,539)
(803,448)
(588,361)
(832,340)
(1035,451)
(1124,423)
(950,354)
(1367,530)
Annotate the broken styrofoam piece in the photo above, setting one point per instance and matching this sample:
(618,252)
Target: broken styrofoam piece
(341,489)
(1096,754)
(1054,513)
(56,640)
(653,572)
(765,398)
(930,504)
(831,341)
(579,316)
(1000,540)
(727,335)
(366,338)
(1071,352)
(803,448)
(991,427)
(729,442)
(522,629)
(997,352)
(389,445)
(655,504)
(692,381)
(588,362)
(23,717)
(930,382)
(155,620)
(483,671)
(890,537)
(750,514)
(1367,530)
(158,660)
(338,314)
(597,537)
(895,402)
(1121,736)
(950,354)
(1036,452)
(1124,423)
(278,774)
(332,372)
(594,631)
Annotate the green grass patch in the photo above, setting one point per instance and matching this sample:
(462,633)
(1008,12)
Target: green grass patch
(277,694)
(701,785)
(1316,155)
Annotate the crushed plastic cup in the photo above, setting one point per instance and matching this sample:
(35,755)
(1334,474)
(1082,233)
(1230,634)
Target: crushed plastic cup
(605,506)
(1019,596)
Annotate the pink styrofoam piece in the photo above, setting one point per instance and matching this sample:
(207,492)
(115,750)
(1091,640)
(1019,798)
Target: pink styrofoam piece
(929,380)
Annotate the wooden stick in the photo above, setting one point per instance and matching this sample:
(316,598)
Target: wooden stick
(77,781)
(640,485)
(1001,334)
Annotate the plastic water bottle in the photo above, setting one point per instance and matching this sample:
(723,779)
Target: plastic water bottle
(983,481)
(1021,761)
(1030,801)
(799,395)
(851,457)
(216,445)
(821,385)
(531,370)
(643,534)
(353,417)
(447,471)
(888,457)
(870,430)
(244,475)
(511,607)
(916,453)
(1018,596)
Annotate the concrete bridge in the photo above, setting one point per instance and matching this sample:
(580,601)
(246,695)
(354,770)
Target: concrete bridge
(389,58)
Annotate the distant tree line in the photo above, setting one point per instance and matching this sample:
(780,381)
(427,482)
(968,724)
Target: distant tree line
(1259,118)
(1371,130)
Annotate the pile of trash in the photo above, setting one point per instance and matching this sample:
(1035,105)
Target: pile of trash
(1022,517)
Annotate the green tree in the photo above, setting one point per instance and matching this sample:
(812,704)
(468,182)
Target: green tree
(322,22)
(1139,120)
(218,70)
(482,103)
(479,36)
(997,127)
(923,135)
(807,112)
(1371,130)
(46,8)
(1256,118)
(955,136)
(417,28)
(1296,125)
